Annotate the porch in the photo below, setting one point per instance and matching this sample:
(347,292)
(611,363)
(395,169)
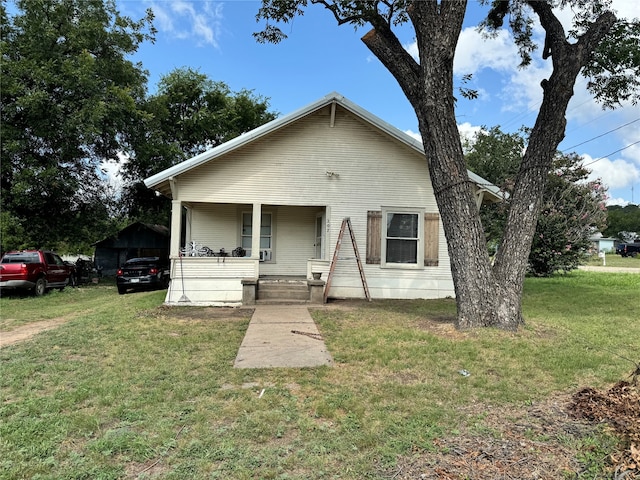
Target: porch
(235,281)
(222,253)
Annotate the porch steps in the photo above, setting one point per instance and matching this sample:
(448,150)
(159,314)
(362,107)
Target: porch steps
(282,290)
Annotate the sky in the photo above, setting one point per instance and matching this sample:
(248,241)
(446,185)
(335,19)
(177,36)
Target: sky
(320,57)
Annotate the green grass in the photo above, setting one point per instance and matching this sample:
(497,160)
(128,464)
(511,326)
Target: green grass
(19,308)
(614,261)
(130,389)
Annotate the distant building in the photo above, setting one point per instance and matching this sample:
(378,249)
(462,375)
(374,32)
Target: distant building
(136,240)
(604,244)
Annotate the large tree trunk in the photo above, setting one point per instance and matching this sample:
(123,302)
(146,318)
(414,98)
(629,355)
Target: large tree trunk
(429,88)
(568,59)
(486,295)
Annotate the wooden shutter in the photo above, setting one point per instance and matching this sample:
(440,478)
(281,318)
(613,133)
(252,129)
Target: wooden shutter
(374,238)
(431,235)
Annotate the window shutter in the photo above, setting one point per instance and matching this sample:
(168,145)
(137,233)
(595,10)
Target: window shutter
(431,235)
(374,238)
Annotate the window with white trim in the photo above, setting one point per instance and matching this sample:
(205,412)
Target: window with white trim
(266,234)
(402,238)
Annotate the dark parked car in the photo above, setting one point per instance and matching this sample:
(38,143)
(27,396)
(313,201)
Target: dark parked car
(144,273)
(628,249)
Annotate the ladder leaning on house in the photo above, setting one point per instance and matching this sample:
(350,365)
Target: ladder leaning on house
(346,223)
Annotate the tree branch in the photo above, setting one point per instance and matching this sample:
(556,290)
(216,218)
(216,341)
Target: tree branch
(556,44)
(387,48)
(555,39)
(337,14)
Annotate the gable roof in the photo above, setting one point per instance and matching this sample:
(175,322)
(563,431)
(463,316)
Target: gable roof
(159,230)
(160,181)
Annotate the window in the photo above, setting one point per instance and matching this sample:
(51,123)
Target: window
(265,234)
(402,238)
(53,259)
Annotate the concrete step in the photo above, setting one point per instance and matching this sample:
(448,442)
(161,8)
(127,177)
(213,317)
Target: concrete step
(281,302)
(283,293)
(283,289)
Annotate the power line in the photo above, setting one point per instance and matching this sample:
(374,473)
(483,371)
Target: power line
(595,119)
(609,154)
(601,135)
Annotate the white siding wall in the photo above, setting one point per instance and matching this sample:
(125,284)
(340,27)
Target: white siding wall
(293,242)
(290,167)
(216,225)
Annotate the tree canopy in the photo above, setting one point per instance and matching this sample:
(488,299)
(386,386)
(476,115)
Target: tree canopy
(69,95)
(598,45)
(623,222)
(71,100)
(573,207)
(189,114)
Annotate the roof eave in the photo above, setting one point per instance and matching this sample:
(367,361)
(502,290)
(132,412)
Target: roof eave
(161,180)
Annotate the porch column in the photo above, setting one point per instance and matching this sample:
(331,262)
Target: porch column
(176,227)
(255,232)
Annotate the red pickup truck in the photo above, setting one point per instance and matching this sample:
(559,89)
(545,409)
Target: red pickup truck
(34,270)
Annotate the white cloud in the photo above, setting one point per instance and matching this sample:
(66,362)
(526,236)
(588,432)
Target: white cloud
(627,8)
(468,131)
(617,201)
(200,21)
(615,174)
(523,92)
(413,134)
(475,53)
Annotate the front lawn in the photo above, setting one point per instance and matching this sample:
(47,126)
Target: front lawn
(612,260)
(128,388)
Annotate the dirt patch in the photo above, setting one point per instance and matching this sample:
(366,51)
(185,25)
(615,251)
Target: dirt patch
(442,326)
(185,314)
(540,441)
(619,407)
(25,332)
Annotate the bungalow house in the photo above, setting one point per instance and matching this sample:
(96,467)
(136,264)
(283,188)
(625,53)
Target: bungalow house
(269,206)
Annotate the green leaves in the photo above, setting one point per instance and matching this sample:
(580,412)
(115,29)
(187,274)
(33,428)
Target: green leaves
(190,114)
(572,208)
(614,69)
(69,98)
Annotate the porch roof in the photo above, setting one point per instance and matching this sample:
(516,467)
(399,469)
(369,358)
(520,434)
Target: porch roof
(162,180)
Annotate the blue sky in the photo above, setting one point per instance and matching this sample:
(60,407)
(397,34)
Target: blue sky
(319,57)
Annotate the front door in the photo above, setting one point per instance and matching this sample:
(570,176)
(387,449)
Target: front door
(319,243)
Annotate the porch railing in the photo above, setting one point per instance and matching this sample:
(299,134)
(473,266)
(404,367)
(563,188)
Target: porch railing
(209,280)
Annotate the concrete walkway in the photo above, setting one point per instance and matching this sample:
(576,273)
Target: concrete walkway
(282,336)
